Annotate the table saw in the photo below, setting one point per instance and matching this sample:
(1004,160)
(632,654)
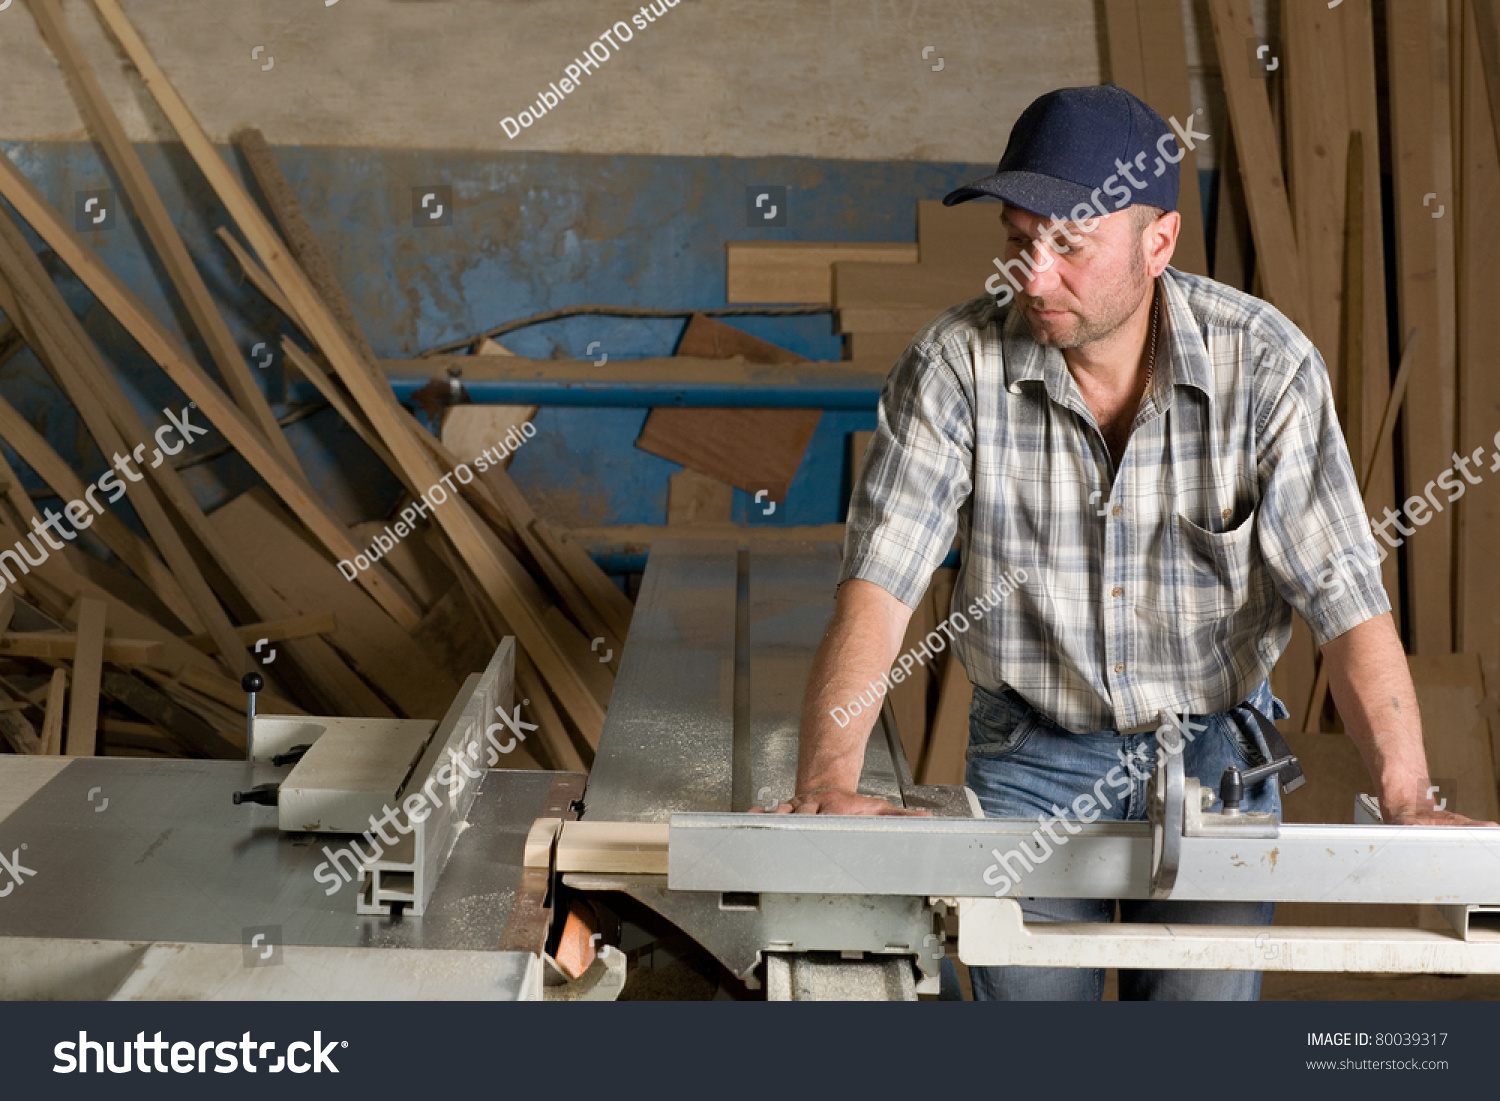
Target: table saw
(143,879)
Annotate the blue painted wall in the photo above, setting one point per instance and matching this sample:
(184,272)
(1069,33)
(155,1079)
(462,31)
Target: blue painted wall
(527,232)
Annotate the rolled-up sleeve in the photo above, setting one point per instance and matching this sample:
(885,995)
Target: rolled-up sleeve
(916,476)
(1314,535)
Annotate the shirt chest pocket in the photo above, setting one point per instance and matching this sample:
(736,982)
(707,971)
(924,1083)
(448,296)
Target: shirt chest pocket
(1210,574)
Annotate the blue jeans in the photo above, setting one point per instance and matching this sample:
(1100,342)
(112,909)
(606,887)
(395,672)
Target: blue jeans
(1022,765)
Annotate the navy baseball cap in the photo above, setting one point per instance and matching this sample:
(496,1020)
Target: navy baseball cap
(1071,143)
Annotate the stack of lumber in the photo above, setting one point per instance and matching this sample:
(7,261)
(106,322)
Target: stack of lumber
(1308,147)
(165,632)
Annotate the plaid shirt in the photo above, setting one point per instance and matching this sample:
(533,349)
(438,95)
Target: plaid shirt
(1169,583)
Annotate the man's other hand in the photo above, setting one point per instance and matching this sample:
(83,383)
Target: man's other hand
(835,801)
(1426,815)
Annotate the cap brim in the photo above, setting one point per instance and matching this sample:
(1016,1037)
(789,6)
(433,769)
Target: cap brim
(1046,196)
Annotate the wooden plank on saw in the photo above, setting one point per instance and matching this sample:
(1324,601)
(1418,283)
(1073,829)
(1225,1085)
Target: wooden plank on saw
(613,847)
(754,449)
(307,582)
(1477,598)
(104,125)
(58,340)
(799,271)
(88,666)
(694,498)
(111,530)
(1158,73)
(375,398)
(1260,160)
(212,403)
(1423,182)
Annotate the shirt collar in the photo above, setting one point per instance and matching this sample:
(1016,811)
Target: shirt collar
(1186,360)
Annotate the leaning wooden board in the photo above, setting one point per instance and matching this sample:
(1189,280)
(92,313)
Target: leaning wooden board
(309,583)
(754,449)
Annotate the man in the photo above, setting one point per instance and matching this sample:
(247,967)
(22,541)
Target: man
(1158,456)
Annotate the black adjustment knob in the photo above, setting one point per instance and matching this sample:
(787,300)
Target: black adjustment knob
(1233,783)
(266,795)
(252,682)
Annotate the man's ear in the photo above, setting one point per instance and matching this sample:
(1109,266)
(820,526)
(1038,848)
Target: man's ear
(1161,241)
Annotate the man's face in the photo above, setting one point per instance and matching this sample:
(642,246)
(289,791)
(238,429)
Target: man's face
(1082,289)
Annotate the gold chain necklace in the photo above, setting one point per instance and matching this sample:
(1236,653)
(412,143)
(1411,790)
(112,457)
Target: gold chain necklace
(1151,362)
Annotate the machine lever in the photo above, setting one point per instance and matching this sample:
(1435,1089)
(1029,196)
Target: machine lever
(1233,783)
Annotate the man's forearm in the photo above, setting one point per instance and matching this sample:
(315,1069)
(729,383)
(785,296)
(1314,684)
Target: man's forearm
(1371,683)
(861,643)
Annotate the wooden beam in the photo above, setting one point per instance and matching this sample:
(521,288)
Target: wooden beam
(301,626)
(798,271)
(335,397)
(152,213)
(64,646)
(17,730)
(1477,531)
(838,374)
(1317,140)
(111,530)
(1259,155)
(161,709)
(1158,74)
(694,498)
(57,338)
(52,724)
(375,398)
(256,275)
(1421,150)
(299,237)
(223,414)
(88,666)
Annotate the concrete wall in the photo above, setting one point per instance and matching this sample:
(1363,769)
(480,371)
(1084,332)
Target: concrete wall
(825,78)
(625,192)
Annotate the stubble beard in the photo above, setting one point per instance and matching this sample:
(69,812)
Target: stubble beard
(1114,310)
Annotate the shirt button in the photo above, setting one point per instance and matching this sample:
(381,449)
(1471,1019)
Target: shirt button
(1117,591)
(1119,667)
(1117,511)
(1227,513)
